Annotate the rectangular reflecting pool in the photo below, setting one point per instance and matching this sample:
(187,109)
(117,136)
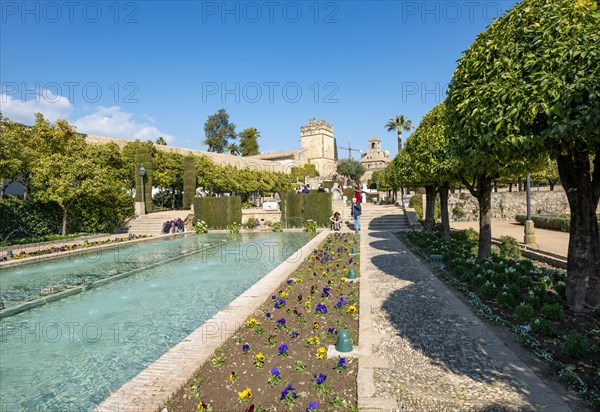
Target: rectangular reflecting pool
(70,354)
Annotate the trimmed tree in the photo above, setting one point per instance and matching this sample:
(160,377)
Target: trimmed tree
(431,164)
(529,86)
(189,181)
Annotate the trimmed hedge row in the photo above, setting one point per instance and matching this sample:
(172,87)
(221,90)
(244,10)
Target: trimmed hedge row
(551,222)
(28,219)
(33,219)
(298,208)
(218,212)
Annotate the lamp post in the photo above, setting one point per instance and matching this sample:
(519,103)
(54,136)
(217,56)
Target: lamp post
(529,227)
(142,172)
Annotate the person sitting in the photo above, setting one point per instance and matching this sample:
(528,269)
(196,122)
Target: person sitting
(166,226)
(336,221)
(321,189)
(179,225)
(305,190)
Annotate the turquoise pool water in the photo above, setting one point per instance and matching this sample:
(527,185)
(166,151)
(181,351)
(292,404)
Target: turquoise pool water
(70,354)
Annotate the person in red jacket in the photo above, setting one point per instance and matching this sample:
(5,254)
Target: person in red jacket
(357,193)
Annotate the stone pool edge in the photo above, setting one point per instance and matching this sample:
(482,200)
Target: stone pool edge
(11,311)
(152,387)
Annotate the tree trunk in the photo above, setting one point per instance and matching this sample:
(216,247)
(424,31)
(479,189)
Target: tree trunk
(399,141)
(430,193)
(551,187)
(173,197)
(64,222)
(2,187)
(444,208)
(483,194)
(510,187)
(583,261)
(485,219)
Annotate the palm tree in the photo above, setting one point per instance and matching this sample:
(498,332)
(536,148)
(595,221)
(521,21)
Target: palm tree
(399,123)
(233,149)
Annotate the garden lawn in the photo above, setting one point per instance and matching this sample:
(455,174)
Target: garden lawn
(277,360)
(528,299)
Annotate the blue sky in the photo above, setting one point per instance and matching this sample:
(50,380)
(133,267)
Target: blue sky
(152,68)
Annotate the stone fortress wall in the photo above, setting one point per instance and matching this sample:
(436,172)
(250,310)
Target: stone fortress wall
(505,205)
(219,158)
(317,146)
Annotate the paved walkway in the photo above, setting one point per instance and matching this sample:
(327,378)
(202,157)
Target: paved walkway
(423,349)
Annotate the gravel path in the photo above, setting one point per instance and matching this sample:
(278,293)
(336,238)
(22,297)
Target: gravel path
(424,350)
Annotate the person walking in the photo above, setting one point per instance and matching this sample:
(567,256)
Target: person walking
(356,212)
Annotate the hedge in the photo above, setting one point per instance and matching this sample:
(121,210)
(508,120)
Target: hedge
(551,222)
(33,219)
(416,202)
(297,208)
(29,219)
(218,212)
(189,181)
(348,192)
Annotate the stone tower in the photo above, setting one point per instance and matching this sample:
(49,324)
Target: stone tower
(374,159)
(317,145)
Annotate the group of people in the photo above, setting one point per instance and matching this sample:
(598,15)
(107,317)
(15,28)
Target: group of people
(173,226)
(306,189)
(355,212)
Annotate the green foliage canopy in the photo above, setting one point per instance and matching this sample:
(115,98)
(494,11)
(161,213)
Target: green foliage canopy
(249,141)
(527,87)
(218,131)
(351,168)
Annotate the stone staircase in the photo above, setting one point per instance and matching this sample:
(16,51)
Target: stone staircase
(383,218)
(151,224)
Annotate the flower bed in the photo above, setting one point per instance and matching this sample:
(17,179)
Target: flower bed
(529,300)
(277,360)
(65,248)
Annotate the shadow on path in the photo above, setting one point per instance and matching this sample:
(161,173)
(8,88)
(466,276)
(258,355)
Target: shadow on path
(443,334)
